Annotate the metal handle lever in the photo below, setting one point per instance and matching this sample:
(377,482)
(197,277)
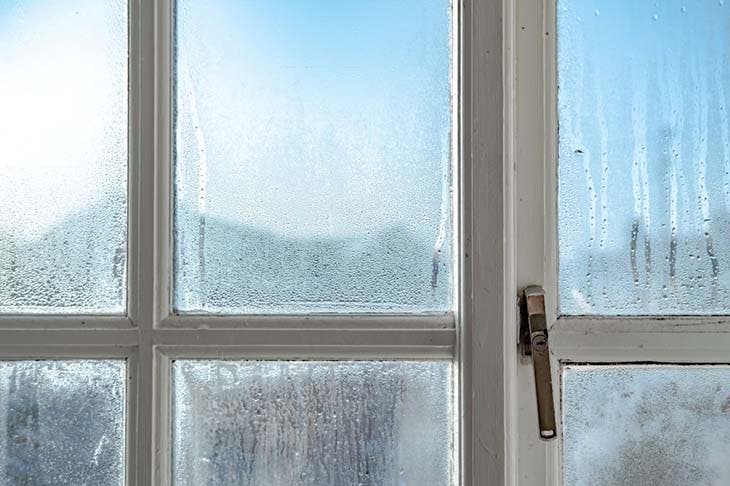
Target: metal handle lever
(535,343)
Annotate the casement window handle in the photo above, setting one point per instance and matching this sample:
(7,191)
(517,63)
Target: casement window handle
(535,343)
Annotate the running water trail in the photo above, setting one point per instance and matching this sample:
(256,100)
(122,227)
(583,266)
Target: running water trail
(202,181)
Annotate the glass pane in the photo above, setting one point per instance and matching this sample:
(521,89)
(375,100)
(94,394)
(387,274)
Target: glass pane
(63,161)
(62,423)
(644,205)
(312,423)
(653,425)
(313,152)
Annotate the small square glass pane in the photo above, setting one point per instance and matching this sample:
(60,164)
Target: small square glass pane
(62,423)
(646,425)
(63,156)
(312,423)
(644,156)
(313,154)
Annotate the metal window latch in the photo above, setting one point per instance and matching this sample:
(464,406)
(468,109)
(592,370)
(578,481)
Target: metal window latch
(534,343)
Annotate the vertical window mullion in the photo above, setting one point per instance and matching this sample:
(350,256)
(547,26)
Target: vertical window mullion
(164,66)
(487,313)
(148,101)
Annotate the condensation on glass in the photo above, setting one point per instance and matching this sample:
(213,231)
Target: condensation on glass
(63,156)
(313,154)
(312,423)
(642,425)
(62,422)
(644,165)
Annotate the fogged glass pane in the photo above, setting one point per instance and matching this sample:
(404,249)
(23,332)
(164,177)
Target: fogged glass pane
(644,156)
(63,156)
(313,154)
(646,425)
(62,423)
(312,423)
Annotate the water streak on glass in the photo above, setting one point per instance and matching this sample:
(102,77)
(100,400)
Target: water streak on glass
(646,425)
(63,156)
(312,156)
(62,423)
(644,169)
(312,423)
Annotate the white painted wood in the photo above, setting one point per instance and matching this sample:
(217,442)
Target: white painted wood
(163,129)
(531,227)
(144,283)
(510,338)
(67,338)
(135,163)
(313,321)
(31,321)
(310,343)
(312,352)
(642,324)
(553,474)
(485,264)
(376,343)
(159,420)
(700,348)
(131,419)
(307,337)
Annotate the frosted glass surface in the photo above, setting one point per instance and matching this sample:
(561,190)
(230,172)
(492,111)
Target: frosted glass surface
(313,155)
(62,423)
(646,425)
(63,156)
(312,423)
(644,205)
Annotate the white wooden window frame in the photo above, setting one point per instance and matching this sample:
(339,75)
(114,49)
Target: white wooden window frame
(151,335)
(573,339)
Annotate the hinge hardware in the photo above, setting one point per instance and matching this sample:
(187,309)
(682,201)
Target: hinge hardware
(534,343)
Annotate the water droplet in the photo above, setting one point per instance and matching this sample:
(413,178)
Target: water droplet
(597,13)
(656,17)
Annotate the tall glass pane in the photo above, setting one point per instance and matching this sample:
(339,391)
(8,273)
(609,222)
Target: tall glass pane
(62,423)
(63,156)
(313,156)
(646,425)
(312,423)
(644,205)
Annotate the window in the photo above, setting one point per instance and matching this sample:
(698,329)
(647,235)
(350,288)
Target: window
(240,243)
(313,168)
(621,161)
(64,158)
(63,421)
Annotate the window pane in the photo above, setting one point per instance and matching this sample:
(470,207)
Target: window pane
(635,425)
(644,156)
(312,423)
(313,155)
(62,422)
(63,156)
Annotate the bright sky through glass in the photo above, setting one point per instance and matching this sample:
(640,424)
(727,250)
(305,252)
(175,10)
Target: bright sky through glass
(644,156)
(57,108)
(318,133)
(63,156)
(318,101)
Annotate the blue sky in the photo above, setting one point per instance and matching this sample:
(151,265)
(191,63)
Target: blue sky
(63,109)
(313,122)
(644,151)
(317,118)
(63,155)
